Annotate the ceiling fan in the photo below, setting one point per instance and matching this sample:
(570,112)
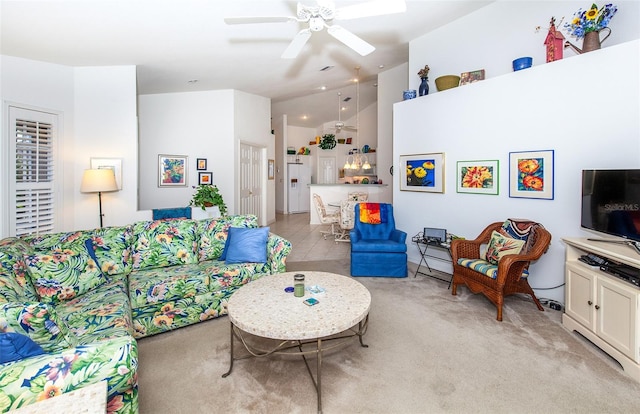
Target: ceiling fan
(319,15)
(339,126)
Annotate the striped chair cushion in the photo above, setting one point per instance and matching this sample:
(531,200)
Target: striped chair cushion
(484,267)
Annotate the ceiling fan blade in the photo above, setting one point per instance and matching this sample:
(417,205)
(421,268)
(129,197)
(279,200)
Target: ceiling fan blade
(351,40)
(350,128)
(296,45)
(371,8)
(258,19)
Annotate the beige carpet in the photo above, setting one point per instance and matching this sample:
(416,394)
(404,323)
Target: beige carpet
(429,352)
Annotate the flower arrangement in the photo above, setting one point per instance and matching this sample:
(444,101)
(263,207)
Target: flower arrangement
(424,72)
(592,20)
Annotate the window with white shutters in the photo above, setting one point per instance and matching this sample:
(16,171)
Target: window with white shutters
(33,207)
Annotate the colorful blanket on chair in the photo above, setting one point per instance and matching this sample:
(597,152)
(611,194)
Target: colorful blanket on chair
(373,213)
(520,230)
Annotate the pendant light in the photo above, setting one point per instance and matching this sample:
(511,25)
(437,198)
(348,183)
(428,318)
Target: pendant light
(357,161)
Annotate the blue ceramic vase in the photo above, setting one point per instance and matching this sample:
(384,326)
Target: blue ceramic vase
(424,87)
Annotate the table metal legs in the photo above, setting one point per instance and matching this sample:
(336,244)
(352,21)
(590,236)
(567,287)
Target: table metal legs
(296,348)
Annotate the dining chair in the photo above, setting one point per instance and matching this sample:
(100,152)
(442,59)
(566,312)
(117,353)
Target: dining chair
(358,196)
(347,214)
(325,217)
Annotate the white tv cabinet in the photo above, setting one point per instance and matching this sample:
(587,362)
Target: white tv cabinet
(602,307)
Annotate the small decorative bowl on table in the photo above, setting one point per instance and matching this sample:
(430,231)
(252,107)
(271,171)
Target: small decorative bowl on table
(447,82)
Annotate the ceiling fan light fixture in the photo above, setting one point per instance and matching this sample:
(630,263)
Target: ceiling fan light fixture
(316,24)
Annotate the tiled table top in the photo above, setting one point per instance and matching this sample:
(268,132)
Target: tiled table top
(263,308)
(91,399)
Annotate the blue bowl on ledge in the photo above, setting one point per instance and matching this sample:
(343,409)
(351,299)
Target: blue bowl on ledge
(522,63)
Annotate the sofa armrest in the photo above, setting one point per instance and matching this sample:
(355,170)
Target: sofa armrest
(278,249)
(31,379)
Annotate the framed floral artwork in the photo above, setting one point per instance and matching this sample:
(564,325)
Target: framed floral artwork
(201,164)
(205,178)
(172,170)
(422,172)
(477,177)
(531,174)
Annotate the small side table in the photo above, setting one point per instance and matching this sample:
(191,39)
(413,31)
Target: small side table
(423,245)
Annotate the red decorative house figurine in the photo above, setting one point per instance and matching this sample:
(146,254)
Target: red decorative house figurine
(554,42)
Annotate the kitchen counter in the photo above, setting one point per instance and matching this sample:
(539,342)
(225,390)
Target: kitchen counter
(348,185)
(335,193)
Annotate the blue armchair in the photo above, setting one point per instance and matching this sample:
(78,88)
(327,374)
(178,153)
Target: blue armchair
(377,249)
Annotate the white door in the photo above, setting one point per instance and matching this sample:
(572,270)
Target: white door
(251,180)
(327,170)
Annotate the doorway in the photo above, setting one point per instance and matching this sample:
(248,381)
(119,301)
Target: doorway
(252,164)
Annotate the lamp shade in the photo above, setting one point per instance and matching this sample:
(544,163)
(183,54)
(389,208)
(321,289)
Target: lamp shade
(98,180)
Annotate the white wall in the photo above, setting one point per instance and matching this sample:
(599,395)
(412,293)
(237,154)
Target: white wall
(252,125)
(97,108)
(492,37)
(195,124)
(39,86)
(208,124)
(391,83)
(585,108)
(105,126)
(280,130)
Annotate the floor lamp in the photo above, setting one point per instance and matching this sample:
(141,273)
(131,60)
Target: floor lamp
(98,181)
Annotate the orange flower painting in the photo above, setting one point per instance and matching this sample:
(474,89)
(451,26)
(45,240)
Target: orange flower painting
(477,177)
(531,174)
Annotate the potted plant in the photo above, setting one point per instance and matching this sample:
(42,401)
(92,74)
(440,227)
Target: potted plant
(207,195)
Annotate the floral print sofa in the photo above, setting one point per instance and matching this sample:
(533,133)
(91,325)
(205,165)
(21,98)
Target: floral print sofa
(85,296)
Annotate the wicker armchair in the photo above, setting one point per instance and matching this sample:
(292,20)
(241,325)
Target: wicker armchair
(512,270)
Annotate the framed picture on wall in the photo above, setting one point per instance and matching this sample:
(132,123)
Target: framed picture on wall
(114,164)
(205,178)
(477,177)
(422,172)
(531,174)
(201,164)
(270,169)
(172,170)
(470,77)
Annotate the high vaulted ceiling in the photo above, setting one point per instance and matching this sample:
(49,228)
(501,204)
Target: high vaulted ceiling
(184,45)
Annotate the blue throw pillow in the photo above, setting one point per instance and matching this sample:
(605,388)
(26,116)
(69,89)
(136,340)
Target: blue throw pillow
(15,346)
(246,245)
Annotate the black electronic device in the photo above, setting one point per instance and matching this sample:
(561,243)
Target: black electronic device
(593,260)
(627,273)
(431,234)
(611,203)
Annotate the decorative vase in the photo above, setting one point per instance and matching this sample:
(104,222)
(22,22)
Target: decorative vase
(409,94)
(591,41)
(424,87)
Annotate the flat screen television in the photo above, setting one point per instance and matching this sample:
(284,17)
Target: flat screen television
(611,202)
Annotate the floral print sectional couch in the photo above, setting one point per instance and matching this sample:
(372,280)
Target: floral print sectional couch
(83,297)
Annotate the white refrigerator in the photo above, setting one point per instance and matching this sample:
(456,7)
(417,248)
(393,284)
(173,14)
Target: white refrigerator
(298,180)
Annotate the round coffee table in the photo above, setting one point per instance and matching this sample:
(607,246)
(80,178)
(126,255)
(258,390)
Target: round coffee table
(263,308)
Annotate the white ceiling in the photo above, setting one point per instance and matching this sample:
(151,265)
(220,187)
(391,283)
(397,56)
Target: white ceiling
(173,42)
